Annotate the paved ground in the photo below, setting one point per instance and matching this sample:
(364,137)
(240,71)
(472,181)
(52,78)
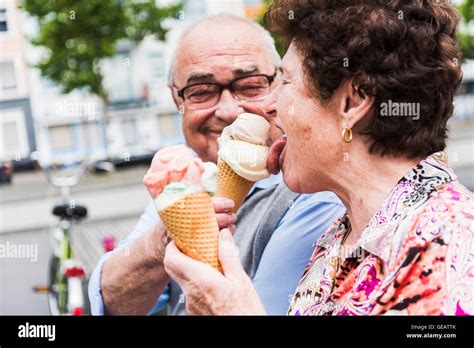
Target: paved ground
(19,275)
(114,201)
(27,203)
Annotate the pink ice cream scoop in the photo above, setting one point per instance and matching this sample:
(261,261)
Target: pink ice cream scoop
(173,164)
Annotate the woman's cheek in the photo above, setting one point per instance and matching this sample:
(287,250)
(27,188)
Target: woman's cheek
(284,109)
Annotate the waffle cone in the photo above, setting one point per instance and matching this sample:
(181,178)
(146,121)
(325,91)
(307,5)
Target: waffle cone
(191,223)
(231,185)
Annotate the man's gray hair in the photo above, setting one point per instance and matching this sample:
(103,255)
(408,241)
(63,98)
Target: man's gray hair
(226,19)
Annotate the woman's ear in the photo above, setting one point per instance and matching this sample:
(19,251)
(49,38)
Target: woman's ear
(354,105)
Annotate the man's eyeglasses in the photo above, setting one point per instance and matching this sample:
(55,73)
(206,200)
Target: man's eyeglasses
(244,89)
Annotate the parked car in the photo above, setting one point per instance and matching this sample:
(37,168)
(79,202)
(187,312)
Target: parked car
(6,172)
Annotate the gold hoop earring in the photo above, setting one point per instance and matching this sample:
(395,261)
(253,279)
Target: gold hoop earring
(347,134)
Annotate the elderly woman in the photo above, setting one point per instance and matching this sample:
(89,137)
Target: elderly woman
(367,90)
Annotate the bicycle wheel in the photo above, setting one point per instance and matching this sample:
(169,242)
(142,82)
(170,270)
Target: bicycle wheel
(57,284)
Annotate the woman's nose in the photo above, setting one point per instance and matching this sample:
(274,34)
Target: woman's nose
(269,104)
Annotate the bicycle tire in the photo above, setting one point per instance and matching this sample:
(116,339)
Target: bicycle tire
(53,275)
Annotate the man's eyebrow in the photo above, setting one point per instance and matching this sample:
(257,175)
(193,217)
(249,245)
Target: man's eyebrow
(202,77)
(197,77)
(245,70)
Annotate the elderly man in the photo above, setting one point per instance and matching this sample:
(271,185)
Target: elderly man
(220,57)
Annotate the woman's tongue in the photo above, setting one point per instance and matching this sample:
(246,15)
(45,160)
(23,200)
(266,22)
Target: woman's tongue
(275,158)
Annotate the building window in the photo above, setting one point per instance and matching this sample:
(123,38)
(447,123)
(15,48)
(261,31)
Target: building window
(8,75)
(3,20)
(121,86)
(157,65)
(170,131)
(13,134)
(10,139)
(61,139)
(130,132)
(92,136)
(194,9)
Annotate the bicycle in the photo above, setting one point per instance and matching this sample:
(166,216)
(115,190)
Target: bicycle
(66,288)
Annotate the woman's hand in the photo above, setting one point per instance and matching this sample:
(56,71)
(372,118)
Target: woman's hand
(207,291)
(223,209)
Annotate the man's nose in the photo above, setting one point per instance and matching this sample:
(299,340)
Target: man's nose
(228,108)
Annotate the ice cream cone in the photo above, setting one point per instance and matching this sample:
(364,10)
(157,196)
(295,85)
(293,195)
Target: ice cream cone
(191,223)
(231,185)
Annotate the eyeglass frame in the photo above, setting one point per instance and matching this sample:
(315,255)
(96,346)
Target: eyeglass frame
(222,87)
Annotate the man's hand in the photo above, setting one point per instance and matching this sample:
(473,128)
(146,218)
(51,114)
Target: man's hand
(133,278)
(225,217)
(207,291)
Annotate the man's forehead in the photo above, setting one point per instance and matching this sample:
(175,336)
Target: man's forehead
(220,63)
(226,49)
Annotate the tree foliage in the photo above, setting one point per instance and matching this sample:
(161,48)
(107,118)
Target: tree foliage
(280,46)
(466,38)
(76,35)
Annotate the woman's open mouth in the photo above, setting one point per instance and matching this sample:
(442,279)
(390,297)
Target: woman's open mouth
(276,155)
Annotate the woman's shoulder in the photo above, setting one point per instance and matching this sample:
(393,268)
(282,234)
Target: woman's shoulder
(450,207)
(440,233)
(445,218)
(451,204)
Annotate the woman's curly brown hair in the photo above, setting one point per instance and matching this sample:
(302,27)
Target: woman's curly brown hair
(402,51)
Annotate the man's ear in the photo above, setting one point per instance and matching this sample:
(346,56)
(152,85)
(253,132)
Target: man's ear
(354,105)
(176,99)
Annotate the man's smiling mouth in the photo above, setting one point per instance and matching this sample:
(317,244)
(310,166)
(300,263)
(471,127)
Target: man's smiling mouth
(212,131)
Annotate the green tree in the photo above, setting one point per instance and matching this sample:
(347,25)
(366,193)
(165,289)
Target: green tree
(466,39)
(77,35)
(280,46)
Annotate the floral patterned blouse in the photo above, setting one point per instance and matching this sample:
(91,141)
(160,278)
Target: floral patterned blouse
(416,256)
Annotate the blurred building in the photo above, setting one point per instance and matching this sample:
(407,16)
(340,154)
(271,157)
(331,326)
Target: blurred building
(461,129)
(140,116)
(17,136)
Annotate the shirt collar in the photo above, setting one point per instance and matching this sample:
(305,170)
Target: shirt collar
(272,180)
(411,191)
